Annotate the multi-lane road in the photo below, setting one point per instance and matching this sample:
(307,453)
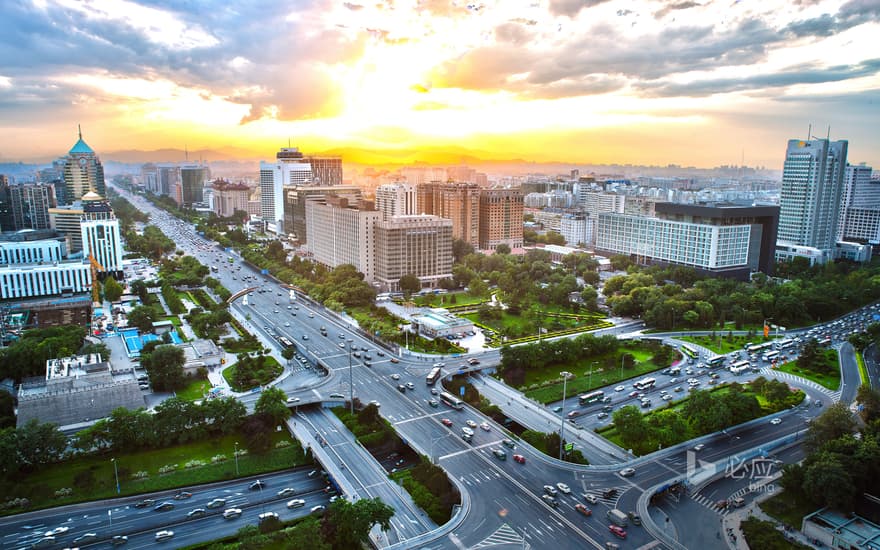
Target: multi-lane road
(505,496)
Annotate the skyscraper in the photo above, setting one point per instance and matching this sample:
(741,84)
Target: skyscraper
(289,168)
(326,171)
(192,182)
(501,218)
(83,172)
(812,182)
(859,217)
(396,199)
(30,205)
(342,233)
(100,234)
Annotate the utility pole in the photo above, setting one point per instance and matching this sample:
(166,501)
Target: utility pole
(565,376)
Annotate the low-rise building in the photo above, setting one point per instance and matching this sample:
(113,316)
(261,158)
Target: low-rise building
(439,323)
(836,530)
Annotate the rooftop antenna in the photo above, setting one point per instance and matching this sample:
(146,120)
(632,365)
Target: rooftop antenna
(809,132)
(80,131)
(829,132)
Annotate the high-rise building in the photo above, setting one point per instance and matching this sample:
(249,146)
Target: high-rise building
(729,241)
(340,233)
(859,217)
(192,181)
(296,198)
(150,177)
(30,205)
(33,263)
(289,168)
(7,221)
(457,202)
(230,197)
(326,170)
(167,179)
(66,220)
(83,172)
(396,199)
(100,234)
(809,203)
(417,245)
(500,218)
(576,229)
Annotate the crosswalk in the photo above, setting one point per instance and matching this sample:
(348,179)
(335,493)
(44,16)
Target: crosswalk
(709,504)
(503,535)
(767,372)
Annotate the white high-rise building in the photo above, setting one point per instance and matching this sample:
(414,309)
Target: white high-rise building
(340,233)
(812,182)
(289,168)
(859,217)
(397,199)
(100,234)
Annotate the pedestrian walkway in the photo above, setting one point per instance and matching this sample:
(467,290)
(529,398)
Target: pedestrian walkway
(731,524)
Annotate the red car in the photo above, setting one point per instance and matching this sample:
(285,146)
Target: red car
(619,532)
(446,422)
(519,458)
(583,509)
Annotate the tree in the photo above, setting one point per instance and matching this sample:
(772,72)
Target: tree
(112,289)
(288,353)
(460,249)
(369,416)
(502,248)
(410,284)
(129,430)
(225,415)
(39,444)
(836,421)
(273,405)
(7,410)
(870,401)
(256,431)
(347,525)
(307,534)
(142,317)
(165,367)
(631,426)
(827,481)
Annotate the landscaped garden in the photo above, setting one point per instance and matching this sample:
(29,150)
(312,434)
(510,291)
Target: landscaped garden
(196,389)
(817,364)
(250,372)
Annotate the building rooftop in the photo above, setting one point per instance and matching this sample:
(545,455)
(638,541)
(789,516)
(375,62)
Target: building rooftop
(858,532)
(80,147)
(75,366)
(438,318)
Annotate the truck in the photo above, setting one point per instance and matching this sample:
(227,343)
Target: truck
(617,517)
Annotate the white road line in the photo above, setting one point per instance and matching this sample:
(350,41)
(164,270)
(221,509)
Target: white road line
(440,413)
(451,455)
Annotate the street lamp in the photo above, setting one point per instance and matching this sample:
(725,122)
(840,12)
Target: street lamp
(350,379)
(592,365)
(115,473)
(565,376)
(236,459)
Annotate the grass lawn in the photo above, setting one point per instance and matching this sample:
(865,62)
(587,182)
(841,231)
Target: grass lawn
(270,371)
(40,486)
(787,509)
(722,345)
(830,380)
(445,300)
(175,320)
(582,381)
(863,370)
(195,390)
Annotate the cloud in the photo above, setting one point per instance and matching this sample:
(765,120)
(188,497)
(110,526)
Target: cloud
(571,8)
(675,6)
(513,33)
(353,7)
(851,14)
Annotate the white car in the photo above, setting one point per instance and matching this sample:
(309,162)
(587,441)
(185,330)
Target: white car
(164,535)
(395,376)
(296,503)
(485,426)
(666,397)
(776,421)
(231,513)
(619,388)
(591,498)
(471,423)
(564,488)
(699,447)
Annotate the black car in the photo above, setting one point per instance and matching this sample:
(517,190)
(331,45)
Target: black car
(258,484)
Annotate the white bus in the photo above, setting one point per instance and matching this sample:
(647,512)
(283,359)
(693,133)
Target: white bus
(645,384)
(451,400)
(771,356)
(433,376)
(740,367)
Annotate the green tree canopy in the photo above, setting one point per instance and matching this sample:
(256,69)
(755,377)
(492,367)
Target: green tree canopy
(112,289)
(410,284)
(272,404)
(165,366)
(142,317)
(347,525)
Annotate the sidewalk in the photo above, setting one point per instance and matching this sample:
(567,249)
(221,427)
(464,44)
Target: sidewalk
(731,522)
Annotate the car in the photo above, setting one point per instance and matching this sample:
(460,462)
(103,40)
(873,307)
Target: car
(678,389)
(197,513)
(583,509)
(401,388)
(563,488)
(395,376)
(508,443)
(550,490)
(164,507)
(337,396)
(602,415)
(287,492)
(342,345)
(380,353)
(435,391)
(258,484)
(183,495)
(499,453)
(550,500)
(231,513)
(470,423)
(446,422)
(376,403)
(627,472)
(617,531)
(590,497)
(292,400)
(666,397)
(485,426)
(410,386)
(467,436)
(85,537)
(699,447)
(673,380)
(519,459)
(467,431)
(57,531)
(164,535)
(144,503)
(287,323)
(395,360)
(434,403)
(633,394)
(319,509)
(619,388)
(268,515)
(776,421)
(635,518)
(216,503)
(557,409)
(118,540)
(296,503)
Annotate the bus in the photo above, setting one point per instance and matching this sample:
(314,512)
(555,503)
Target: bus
(592,397)
(740,367)
(433,376)
(214,268)
(285,342)
(783,344)
(645,384)
(755,348)
(452,401)
(716,361)
(689,351)
(771,356)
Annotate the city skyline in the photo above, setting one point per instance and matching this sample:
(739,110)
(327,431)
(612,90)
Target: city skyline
(560,80)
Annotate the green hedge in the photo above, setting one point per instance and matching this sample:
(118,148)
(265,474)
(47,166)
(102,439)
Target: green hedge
(172,300)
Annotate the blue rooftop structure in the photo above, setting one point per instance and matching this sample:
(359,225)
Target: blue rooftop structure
(80,146)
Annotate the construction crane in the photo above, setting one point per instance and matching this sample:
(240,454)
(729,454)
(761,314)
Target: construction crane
(96,265)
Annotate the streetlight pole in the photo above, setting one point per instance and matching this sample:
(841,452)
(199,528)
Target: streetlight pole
(621,365)
(116,474)
(236,458)
(592,365)
(565,376)
(350,378)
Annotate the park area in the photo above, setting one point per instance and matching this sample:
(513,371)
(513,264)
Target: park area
(251,372)
(503,327)
(821,366)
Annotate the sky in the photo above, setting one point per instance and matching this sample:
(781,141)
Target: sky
(696,83)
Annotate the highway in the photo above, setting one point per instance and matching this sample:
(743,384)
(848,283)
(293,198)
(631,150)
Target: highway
(506,504)
(120,516)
